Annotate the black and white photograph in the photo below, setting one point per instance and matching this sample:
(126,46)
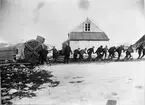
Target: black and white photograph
(72,52)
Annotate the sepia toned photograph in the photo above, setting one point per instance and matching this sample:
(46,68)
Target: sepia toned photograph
(72,52)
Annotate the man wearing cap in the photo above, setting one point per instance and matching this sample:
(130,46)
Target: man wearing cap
(139,49)
(112,51)
(105,49)
(67,51)
(43,54)
(76,53)
(99,52)
(90,51)
(82,52)
(55,53)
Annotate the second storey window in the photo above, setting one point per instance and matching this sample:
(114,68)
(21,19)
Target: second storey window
(87,27)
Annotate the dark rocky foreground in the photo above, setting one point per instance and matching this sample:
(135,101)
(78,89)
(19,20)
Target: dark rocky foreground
(18,81)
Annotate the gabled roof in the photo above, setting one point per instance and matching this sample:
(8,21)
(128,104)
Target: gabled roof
(95,33)
(80,27)
(88,36)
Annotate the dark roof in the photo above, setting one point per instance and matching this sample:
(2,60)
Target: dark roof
(140,41)
(88,36)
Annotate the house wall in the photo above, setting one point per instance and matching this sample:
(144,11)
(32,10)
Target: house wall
(87,44)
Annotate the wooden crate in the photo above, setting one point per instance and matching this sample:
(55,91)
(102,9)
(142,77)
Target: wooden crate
(31,50)
(40,39)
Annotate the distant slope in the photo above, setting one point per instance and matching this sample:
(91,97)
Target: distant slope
(2,44)
(141,40)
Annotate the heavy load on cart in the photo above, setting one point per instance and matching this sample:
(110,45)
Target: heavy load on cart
(29,51)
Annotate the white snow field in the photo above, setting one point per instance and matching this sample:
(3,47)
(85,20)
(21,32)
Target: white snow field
(93,84)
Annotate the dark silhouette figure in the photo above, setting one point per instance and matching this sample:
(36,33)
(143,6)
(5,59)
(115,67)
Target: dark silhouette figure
(111,51)
(90,51)
(143,53)
(99,52)
(43,56)
(119,51)
(55,53)
(143,50)
(105,49)
(128,53)
(81,53)
(139,49)
(76,53)
(67,51)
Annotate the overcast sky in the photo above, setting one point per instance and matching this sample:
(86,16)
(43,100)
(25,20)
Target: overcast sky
(122,20)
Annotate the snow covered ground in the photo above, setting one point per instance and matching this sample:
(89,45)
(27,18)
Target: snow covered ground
(93,84)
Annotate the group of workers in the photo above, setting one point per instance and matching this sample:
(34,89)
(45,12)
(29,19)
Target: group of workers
(103,53)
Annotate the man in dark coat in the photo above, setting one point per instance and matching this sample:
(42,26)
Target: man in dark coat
(76,53)
(55,53)
(139,49)
(143,49)
(143,53)
(67,51)
(112,51)
(82,52)
(90,51)
(128,53)
(119,51)
(43,55)
(99,52)
(105,49)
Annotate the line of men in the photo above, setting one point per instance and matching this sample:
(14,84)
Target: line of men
(141,50)
(101,53)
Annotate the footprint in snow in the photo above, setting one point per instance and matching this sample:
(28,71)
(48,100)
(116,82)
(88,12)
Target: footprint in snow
(77,77)
(139,87)
(76,81)
(114,94)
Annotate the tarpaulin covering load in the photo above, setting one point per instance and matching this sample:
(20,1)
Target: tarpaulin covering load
(7,53)
(31,49)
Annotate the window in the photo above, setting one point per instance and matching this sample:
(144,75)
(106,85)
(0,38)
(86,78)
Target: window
(87,27)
